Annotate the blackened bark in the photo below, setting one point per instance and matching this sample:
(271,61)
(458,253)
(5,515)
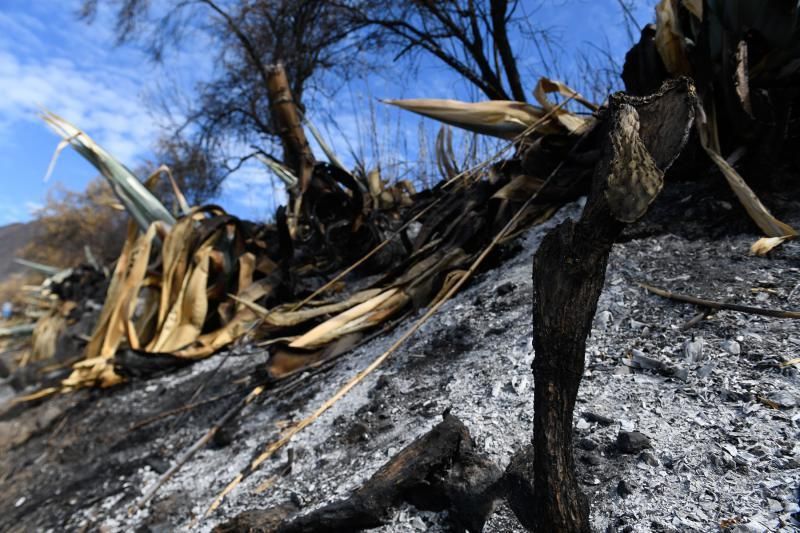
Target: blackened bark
(643,137)
(440,470)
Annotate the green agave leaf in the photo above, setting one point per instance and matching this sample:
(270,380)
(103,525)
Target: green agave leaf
(329,153)
(137,199)
(40,267)
(280,170)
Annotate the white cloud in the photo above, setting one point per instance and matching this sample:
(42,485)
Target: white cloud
(107,109)
(33,207)
(50,59)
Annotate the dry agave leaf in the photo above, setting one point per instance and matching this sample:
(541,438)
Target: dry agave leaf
(499,118)
(144,324)
(445,157)
(669,39)
(771,226)
(765,245)
(695,7)
(247,267)
(90,372)
(184,322)
(134,279)
(375,186)
(194,307)
(47,331)
(45,269)
(546,85)
(165,170)
(112,295)
(503,118)
(239,325)
(208,343)
(520,188)
(175,255)
(326,149)
(128,276)
(284,317)
(114,321)
(39,394)
(571,122)
(284,361)
(359,317)
(282,171)
(757,211)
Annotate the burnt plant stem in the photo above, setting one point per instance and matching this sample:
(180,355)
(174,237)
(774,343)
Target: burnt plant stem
(641,137)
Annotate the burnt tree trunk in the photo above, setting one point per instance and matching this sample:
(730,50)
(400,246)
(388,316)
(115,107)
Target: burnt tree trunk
(642,137)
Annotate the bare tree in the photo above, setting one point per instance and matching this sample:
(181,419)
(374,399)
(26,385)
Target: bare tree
(472,37)
(309,37)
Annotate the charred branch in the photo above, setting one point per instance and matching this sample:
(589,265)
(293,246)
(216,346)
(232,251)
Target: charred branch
(441,470)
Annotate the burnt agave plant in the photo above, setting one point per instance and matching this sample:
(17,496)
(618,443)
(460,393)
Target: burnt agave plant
(744,56)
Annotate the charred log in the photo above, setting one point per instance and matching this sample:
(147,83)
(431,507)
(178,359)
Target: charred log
(439,471)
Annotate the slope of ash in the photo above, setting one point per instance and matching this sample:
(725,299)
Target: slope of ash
(716,403)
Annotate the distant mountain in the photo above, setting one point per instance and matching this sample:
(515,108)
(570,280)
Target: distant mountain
(13,238)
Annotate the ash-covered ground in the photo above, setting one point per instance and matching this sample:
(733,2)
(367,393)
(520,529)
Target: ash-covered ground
(719,409)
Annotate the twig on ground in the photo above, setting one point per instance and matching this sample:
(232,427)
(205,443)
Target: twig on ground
(200,389)
(202,441)
(178,410)
(711,304)
(287,385)
(696,319)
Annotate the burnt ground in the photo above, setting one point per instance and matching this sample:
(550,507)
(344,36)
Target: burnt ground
(723,423)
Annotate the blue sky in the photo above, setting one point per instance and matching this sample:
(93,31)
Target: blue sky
(51,59)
